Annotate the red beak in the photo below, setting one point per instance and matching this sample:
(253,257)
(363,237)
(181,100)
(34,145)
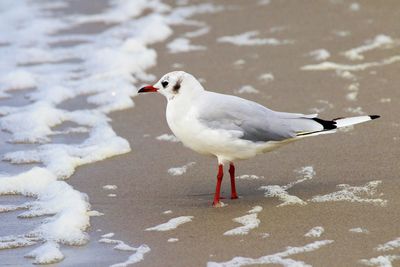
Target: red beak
(147,89)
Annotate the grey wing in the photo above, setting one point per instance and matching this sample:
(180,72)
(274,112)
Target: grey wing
(255,122)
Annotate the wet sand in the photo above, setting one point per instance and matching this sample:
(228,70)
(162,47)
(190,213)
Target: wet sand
(369,152)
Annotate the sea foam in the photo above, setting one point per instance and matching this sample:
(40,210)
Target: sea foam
(248,221)
(42,54)
(281,192)
(279,258)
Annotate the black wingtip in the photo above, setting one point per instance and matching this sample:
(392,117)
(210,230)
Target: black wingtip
(373,117)
(328,125)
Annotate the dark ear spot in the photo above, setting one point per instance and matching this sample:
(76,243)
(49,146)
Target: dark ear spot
(177,86)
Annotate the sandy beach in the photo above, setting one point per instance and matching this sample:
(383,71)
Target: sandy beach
(269,67)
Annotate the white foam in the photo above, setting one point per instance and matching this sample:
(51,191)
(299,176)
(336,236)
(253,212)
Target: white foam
(71,217)
(167,212)
(355,110)
(239,63)
(180,45)
(180,15)
(47,253)
(352,95)
(323,106)
(264,2)
(108,235)
(277,258)
(390,245)
(385,100)
(250,39)
(108,65)
(171,224)
(178,66)
(266,77)
(8,242)
(359,230)
(380,41)
(110,187)
(7,208)
(112,195)
(95,213)
(176,171)
(119,245)
(346,75)
(360,194)
(247,89)
(255,209)
(354,7)
(265,235)
(172,240)
(16,80)
(320,54)
(281,193)
(381,261)
(249,177)
(135,257)
(316,231)
(249,222)
(351,67)
(168,137)
(197,33)
(342,33)
(122,246)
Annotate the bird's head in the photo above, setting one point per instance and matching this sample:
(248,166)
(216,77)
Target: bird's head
(175,84)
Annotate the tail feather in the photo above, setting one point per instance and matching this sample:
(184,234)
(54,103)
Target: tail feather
(331,126)
(343,122)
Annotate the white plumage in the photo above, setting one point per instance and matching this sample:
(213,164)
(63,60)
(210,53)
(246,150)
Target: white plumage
(232,128)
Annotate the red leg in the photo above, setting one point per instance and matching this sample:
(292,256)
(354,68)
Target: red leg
(233,185)
(220,174)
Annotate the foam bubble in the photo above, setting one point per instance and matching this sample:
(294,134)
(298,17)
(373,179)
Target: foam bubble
(247,89)
(8,242)
(135,257)
(108,235)
(316,231)
(250,39)
(354,7)
(280,258)
(47,253)
(110,187)
(176,171)
(320,54)
(168,137)
(390,245)
(381,261)
(101,68)
(280,192)
(266,77)
(249,222)
(380,41)
(326,65)
(359,230)
(171,224)
(180,45)
(360,194)
(249,177)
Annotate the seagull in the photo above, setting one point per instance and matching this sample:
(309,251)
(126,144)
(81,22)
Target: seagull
(231,128)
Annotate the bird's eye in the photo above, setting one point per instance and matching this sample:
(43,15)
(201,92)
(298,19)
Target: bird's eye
(164,84)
